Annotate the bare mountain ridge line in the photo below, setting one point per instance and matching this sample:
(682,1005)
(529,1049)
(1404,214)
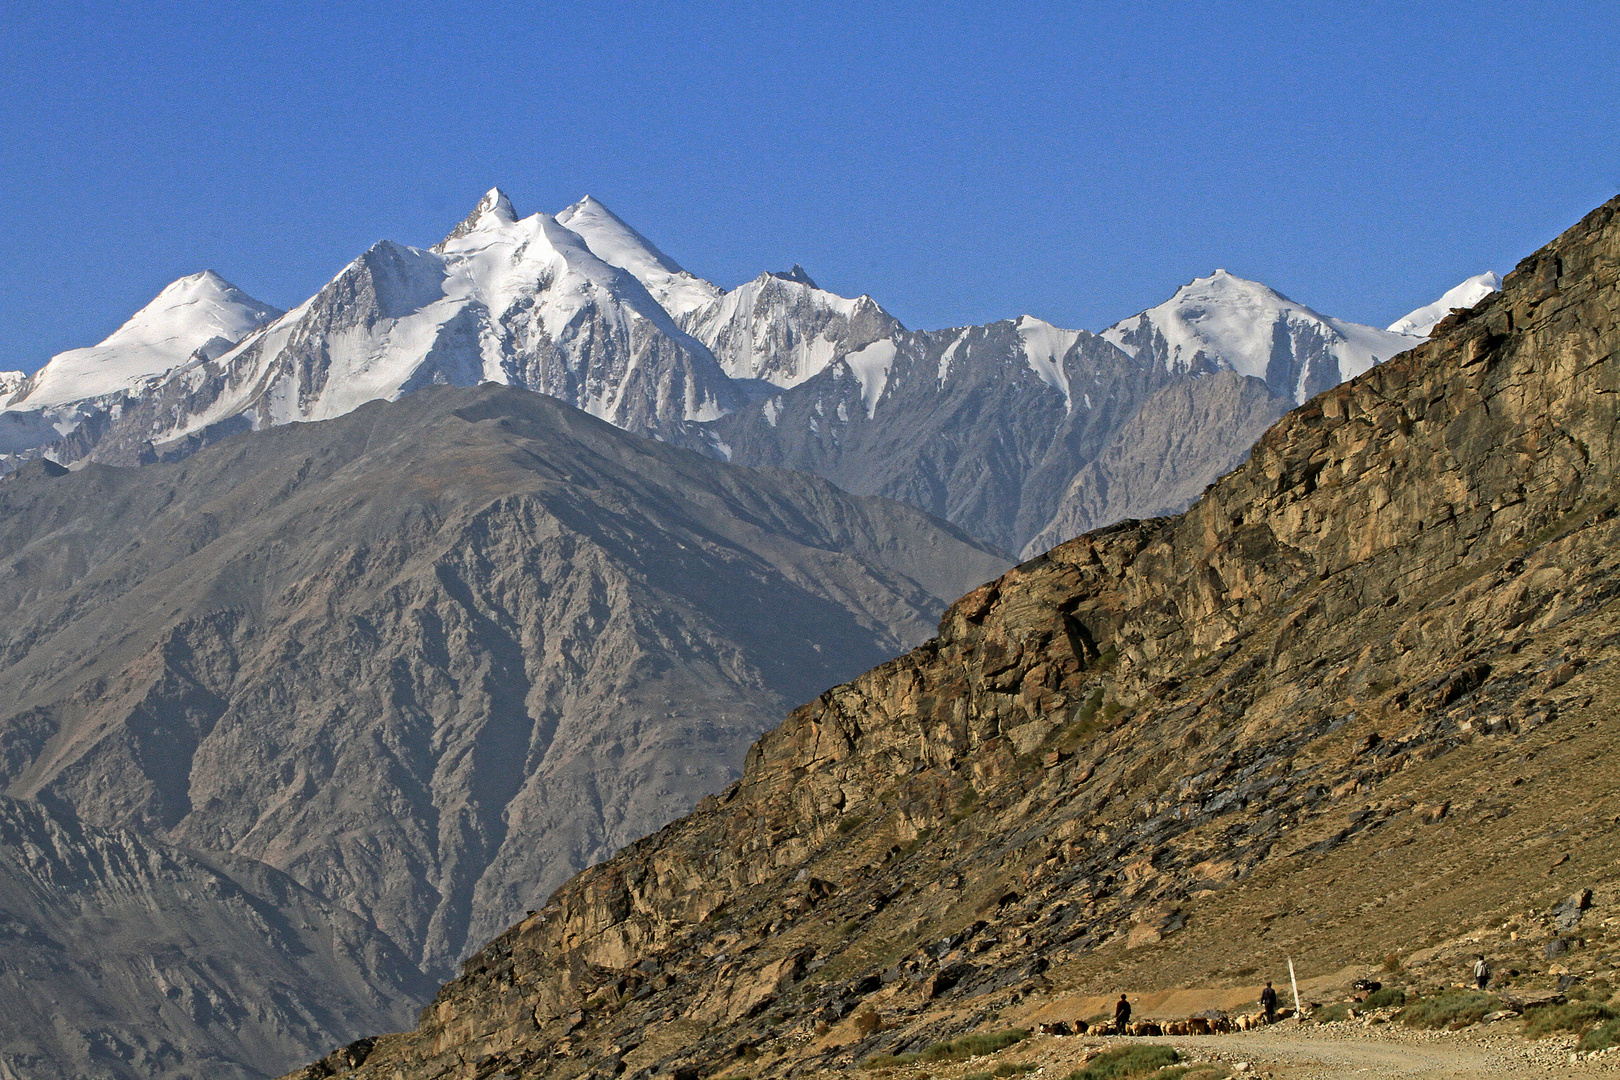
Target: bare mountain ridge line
(432,657)
(1408,590)
(985,426)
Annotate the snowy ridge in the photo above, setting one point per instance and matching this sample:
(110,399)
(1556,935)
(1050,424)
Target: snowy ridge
(783,329)
(617,244)
(198,312)
(1465,295)
(1226,321)
(524,302)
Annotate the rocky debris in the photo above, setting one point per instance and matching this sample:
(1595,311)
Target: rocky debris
(1253,698)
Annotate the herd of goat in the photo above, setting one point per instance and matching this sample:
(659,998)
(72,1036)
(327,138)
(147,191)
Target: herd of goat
(1192,1025)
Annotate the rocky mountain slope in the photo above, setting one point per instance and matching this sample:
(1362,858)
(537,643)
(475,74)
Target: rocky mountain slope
(987,426)
(121,957)
(1332,712)
(433,657)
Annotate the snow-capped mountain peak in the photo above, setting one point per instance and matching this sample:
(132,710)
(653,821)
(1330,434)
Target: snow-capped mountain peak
(783,329)
(1226,321)
(1465,295)
(494,209)
(201,311)
(610,239)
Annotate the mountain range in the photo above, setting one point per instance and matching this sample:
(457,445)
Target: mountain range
(989,427)
(1354,709)
(379,646)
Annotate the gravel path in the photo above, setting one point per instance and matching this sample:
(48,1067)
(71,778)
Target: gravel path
(1334,1051)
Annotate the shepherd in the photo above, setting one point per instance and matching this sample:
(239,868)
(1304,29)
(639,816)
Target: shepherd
(1268,1002)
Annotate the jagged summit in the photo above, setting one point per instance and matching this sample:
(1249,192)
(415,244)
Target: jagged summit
(494,205)
(797,274)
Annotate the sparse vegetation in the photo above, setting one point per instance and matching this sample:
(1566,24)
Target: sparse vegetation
(850,823)
(1127,1061)
(1388,997)
(1451,1009)
(968,1046)
(1579,1017)
(1208,1070)
(1602,1037)
(1327,1014)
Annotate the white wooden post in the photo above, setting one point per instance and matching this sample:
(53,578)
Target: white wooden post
(1295,983)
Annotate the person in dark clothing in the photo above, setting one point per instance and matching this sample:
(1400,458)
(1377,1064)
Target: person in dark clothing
(1122,1014)
(1268,1002)
(1482,972)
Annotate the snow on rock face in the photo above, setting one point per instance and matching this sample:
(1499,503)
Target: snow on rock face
(615,243)
(1224,321)
(9,382)
(199,312)
(1465,295)
(1045,346)
(871,366)
(783,329)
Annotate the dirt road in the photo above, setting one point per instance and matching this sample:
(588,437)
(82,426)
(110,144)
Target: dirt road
(1335,1051)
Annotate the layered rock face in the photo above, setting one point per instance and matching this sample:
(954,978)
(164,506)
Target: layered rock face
(1334,704)
(128,958)
(434,657)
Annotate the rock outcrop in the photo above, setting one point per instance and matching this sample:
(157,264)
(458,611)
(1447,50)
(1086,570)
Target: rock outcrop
(1161,750)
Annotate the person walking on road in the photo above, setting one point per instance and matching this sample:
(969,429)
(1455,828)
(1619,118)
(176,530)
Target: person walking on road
(1268,1002)
(1122,1014)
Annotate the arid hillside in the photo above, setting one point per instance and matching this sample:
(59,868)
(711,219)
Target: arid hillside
(1359,702)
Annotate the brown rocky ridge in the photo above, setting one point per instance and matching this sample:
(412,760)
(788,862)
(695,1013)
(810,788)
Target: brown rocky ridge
(1358,703)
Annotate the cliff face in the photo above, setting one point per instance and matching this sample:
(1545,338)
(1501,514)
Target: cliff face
(1133,757)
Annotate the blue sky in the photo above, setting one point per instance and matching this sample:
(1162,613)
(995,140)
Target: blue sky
(960,162)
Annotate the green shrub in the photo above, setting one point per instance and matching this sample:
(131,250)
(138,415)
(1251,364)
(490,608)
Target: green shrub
(1577,1016)
(1209,1070)
(851,823)
(1448,1009)
(967,1046)
(1602,1037)
(1388,997)
(1127,1061)
(1327,1014)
